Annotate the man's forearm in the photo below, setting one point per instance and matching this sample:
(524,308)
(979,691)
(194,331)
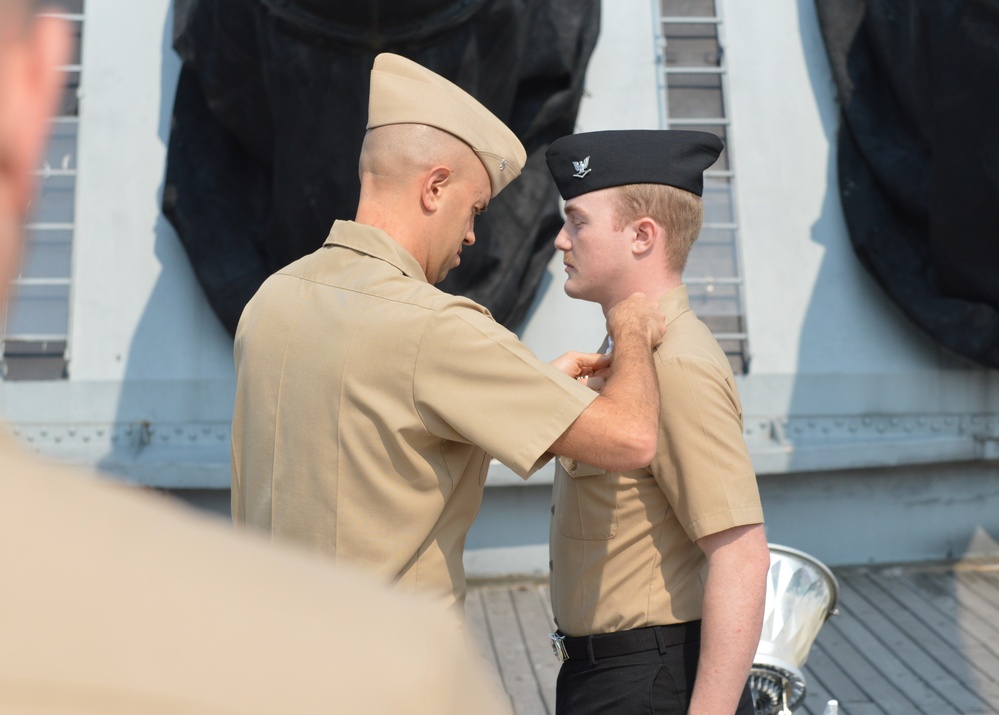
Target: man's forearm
(632,391)
(734,600)
(619,429)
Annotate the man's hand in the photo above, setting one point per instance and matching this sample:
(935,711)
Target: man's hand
(597,380)
(636,313)
(619,430)
(581,365)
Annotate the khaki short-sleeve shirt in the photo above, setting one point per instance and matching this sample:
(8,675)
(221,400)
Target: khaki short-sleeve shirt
(623,544)
(368,403)
(120,602)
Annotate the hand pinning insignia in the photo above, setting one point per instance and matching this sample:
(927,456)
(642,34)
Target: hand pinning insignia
(581,168)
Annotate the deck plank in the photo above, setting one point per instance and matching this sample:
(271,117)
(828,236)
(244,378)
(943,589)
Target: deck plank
(936,635)
(979,662)
(911,639)
(971,601)
(477,627)
(901,657)
(817,695)
(512,653)
(986,584)
(942,591)
(838,636)
(535,620)
(825,680)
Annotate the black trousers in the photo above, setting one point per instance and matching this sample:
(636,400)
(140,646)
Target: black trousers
(646,683)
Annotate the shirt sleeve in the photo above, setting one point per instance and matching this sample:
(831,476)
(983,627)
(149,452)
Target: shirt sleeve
(702,464)
(476,382)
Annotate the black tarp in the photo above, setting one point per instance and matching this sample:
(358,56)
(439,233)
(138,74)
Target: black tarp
(919,157)
(270,112)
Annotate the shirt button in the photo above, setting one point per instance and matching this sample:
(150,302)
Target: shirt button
(550,565)
(553,509)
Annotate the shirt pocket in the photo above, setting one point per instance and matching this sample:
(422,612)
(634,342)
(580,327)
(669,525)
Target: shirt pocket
(586,501)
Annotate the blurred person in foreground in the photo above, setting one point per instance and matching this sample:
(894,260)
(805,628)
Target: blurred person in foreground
(112,601)
(369,402)
(659,574)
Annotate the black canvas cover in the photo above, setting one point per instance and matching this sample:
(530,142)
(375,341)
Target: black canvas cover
(918,83)
(270,112)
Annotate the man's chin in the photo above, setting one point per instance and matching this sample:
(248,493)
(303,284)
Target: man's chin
(447,269)
(575,292)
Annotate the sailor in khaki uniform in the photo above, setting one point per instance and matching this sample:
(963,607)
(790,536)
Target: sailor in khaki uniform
(369,402)
(112,601)
(658,573)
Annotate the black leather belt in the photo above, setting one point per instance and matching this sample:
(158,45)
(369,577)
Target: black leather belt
(608,645)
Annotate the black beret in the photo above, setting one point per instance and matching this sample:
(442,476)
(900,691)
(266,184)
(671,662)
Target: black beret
(581,163)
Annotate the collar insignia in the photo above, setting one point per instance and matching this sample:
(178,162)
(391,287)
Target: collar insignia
(581,168)
(502,165)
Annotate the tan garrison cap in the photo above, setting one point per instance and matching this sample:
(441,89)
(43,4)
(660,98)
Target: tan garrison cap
(403,92)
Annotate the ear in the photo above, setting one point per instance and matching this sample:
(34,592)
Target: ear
(647,234)
(31,86)
(435,182)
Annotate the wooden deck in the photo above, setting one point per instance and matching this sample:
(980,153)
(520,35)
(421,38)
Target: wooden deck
(907,639)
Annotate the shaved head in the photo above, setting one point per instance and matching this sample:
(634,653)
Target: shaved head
(396,153)
(423,187)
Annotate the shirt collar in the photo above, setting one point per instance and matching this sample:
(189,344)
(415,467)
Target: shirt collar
(376,243)
(674,303)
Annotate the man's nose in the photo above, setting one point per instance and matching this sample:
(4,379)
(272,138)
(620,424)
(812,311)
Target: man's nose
(562,241)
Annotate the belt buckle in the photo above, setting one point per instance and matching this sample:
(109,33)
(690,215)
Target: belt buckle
(558,646)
